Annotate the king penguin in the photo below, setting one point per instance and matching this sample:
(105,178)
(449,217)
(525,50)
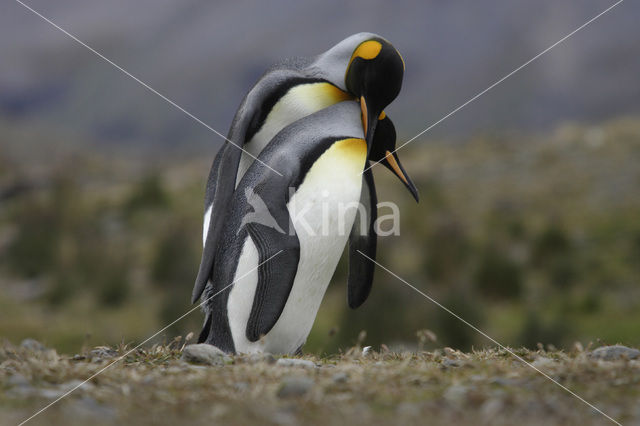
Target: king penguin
(285,234)
(364,67)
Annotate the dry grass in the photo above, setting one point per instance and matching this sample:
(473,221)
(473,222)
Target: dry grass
(153,386)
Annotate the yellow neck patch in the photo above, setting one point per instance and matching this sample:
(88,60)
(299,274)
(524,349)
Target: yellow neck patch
(331,92)
(350,150)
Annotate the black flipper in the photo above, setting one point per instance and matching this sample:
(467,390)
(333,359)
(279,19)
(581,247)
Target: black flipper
(275,279)
(208,252)
(363,238)
(222,178)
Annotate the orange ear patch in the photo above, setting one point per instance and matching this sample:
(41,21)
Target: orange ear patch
(366,50)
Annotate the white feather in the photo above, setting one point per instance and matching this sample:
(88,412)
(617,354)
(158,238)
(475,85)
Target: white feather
(205,226)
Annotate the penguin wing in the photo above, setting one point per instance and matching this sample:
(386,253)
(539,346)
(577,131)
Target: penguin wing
(273,234)
(222,177)
(363,239)
(215,188)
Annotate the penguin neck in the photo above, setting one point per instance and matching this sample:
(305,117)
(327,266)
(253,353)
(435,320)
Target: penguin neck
(298,102)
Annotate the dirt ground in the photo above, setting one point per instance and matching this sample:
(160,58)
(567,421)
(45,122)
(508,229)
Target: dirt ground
(155,386)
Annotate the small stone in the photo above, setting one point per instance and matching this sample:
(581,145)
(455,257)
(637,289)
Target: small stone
(241,386)
(295,386)
(504,381)
(261,357)
(491,408)
(18,379)
(294,362)
(78,357)
(50,393)
(366,351)
(455,393)
(448,363)
(204,354)
(340,377)
(615,352)
(33,345)
(74,385)
(88,409)
(542,362)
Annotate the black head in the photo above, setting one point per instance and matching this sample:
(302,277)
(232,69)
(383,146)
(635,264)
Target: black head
(374,75)
(383,151)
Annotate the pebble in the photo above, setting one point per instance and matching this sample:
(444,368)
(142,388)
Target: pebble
(33,345)
(18,379)
(542,362)
(261,357)
(241,386)
(295,386)
(504,381)
(366,351)
(75,384)
(205,354)
(340,377)
(446,363)
(455,393)
(88,409)
(615,352)
(294,362)
(491,408)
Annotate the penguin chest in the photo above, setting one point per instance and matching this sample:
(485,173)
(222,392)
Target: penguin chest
(300,101)
(324,205)
(322,210)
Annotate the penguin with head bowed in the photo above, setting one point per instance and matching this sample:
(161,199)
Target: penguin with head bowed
(285,234)
(280,267)
(363,67)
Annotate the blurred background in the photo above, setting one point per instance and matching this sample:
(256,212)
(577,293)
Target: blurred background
(529,219)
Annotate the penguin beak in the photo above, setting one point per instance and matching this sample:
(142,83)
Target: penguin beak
(369,121)
(392,162)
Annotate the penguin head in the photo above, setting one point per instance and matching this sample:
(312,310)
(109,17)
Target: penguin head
(383,150)
(374,76)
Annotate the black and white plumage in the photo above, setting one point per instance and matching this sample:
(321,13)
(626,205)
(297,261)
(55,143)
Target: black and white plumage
(287,92)
(350,85)
(272,307)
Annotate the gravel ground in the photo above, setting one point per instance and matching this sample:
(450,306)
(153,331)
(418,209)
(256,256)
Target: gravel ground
(157,386)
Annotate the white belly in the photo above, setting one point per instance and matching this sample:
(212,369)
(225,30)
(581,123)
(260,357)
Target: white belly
(329,197)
